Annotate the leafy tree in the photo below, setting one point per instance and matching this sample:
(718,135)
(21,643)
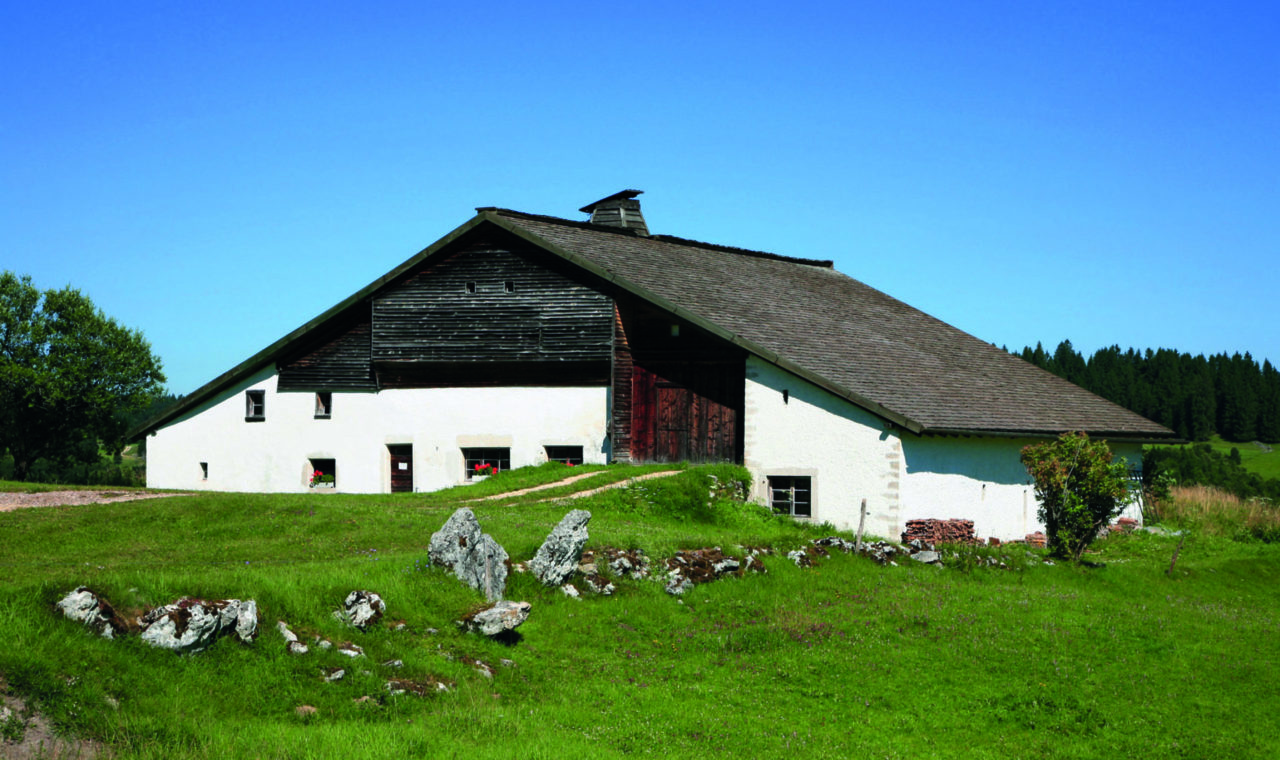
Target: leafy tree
(1079,488)
(69,375)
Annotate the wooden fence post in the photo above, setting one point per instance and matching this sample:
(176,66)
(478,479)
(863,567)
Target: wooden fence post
(862,519)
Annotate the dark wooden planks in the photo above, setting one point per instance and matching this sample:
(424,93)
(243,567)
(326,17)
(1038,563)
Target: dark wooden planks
(336,359)
(491,374)
(489,303)
(620,433)
(687,411)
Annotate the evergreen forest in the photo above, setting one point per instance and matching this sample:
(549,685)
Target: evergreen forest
(1232,396)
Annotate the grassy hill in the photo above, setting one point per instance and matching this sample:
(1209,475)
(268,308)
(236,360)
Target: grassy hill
(843,659)
(1259,458)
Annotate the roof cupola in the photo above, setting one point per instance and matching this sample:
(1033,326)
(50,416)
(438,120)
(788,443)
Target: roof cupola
(618,210)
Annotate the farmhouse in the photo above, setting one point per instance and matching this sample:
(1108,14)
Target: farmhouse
(519,338)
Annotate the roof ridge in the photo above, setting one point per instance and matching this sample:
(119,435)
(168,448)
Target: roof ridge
(672,239)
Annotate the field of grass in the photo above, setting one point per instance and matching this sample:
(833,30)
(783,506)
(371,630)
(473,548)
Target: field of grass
(1116,659)
(1258,458)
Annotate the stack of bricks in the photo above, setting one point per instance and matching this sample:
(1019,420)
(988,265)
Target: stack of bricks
(939,531)
(1037,539)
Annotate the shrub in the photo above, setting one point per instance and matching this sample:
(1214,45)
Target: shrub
(1079,488)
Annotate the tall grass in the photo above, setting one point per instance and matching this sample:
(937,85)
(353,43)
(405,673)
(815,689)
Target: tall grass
(1215,512)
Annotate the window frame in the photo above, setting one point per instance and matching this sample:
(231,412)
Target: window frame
(255,405)
(499,456)
(791,485)
(565,457)
(328,466)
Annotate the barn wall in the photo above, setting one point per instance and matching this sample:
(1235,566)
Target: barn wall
(845,450)
(979,479)
(851,454)
(272,455)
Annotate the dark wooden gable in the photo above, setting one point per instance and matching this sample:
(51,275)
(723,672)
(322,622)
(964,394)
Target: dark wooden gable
(337,359)
(491,302)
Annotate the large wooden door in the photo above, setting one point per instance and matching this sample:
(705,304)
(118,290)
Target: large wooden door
(401,468)
(686,412)
(671,433)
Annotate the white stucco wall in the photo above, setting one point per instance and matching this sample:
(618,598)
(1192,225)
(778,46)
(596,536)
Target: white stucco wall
(273,455)
(852,455)
(973,478)
(847,452)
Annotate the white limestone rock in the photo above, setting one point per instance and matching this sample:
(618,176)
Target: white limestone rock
(86,607)
(557,558)
(363,608)
(497,618)
(191,625)
(475,558)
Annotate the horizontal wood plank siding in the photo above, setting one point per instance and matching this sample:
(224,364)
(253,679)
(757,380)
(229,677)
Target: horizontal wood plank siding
(339,362)
(460,308)
(491,374)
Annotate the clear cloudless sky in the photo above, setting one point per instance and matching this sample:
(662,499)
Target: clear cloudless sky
(216,174)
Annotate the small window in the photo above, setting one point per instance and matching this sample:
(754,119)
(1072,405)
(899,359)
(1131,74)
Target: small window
(204,470)
(791,495)
(324,405)
(508,287)
(570,455)
(471,287)
(485,461)
(255,406)
(324,473)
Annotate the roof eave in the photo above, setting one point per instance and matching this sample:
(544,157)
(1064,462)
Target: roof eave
(1116,436)
(273,351)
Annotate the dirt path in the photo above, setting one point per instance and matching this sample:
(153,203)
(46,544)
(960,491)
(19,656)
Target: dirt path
(11,500)
(543,487)
(38,738)
(619,484)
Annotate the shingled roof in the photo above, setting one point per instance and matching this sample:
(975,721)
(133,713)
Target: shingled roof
(852,339)
(802,315)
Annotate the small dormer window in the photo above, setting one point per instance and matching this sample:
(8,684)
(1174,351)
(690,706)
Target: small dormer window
(255,406)
(471,287)
(508,287)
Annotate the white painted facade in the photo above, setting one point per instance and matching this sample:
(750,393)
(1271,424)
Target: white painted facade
(790,427)
(795,428)
(274,455)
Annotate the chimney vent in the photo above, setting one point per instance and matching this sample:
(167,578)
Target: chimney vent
(618,210)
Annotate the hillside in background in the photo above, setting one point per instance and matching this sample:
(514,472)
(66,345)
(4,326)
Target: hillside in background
(1231,396)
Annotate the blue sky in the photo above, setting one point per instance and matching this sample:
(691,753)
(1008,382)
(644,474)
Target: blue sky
(216,174)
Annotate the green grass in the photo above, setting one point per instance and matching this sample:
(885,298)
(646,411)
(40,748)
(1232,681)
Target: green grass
(1261,459)
(844,659)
